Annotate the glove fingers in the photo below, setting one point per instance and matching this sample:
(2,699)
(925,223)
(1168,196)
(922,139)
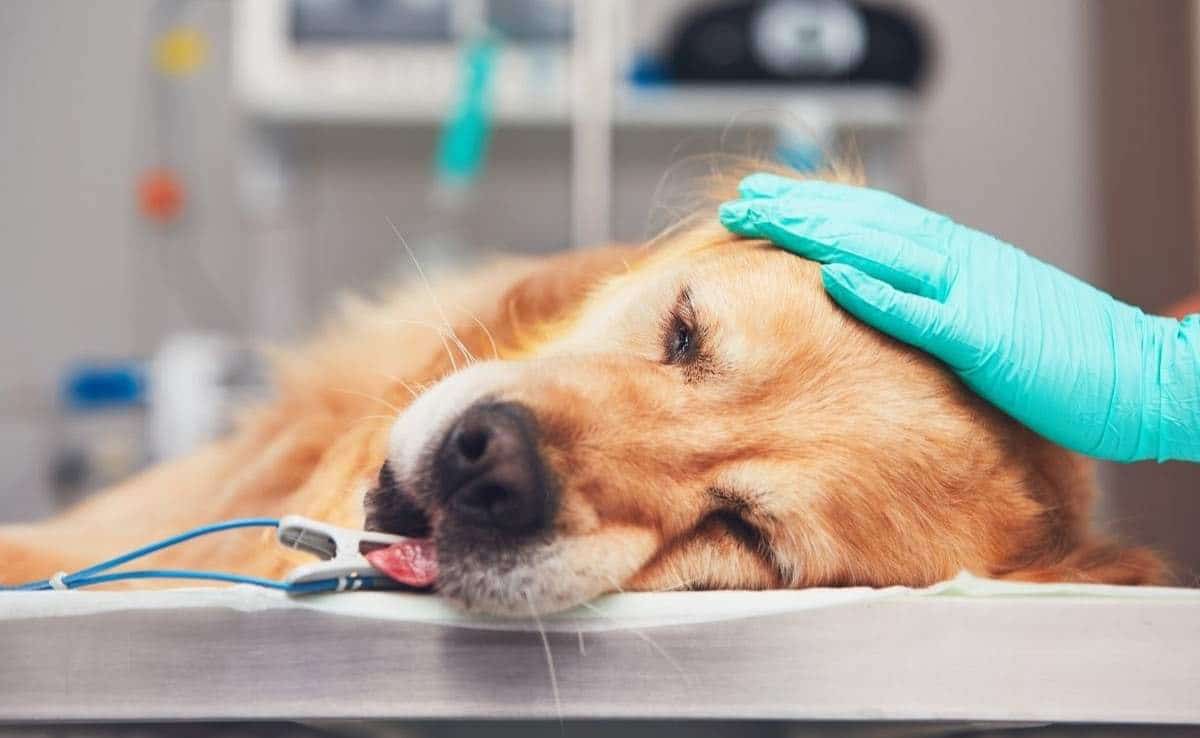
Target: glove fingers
(918,321)
(915,320)
(921,226)
(764,185)
(894,259)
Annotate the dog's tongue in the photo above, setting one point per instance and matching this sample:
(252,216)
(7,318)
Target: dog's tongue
(412,561)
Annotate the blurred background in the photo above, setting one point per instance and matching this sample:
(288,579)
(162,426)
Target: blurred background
(182,179)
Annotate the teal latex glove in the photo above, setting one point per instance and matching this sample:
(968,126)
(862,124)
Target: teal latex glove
(1069,361)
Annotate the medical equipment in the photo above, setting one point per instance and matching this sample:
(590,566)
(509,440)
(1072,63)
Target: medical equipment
(99,424)
(563,67)
(790,42)
(113,418)
(343,566)
(197,384)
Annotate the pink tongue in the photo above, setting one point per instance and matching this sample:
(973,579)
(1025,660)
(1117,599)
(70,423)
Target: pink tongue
(412,562)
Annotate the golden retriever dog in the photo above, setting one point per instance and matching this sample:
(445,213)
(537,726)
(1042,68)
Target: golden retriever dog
(693,414)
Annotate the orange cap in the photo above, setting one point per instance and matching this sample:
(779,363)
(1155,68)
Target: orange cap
(160,195)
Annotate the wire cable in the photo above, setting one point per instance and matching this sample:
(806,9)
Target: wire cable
(75,581)
(95,574)
(101,574)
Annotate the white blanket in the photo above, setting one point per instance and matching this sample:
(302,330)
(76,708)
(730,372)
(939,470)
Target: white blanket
(640,610)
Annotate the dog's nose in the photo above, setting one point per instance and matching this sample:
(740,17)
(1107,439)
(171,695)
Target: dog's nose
(489,473)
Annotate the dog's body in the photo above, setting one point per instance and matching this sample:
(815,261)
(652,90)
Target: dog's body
(696,415)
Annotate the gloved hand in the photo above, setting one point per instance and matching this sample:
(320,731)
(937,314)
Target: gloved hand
(1069,361)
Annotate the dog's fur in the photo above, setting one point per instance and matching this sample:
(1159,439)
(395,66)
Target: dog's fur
(793,447)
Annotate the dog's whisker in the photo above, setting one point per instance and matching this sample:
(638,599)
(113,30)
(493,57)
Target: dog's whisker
(466,352)
(388,375)
(615,584)
(549,662)
(681,582)
(582,648)
(641,635)
(443,335)
(400,381)
(365,418)
(680,585)
(449,354)
(442,332)
(367,396)
(486,332)
(482,326)
(407,387)
(427,286)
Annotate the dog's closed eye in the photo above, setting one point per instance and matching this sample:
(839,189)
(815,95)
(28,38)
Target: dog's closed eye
(680,343)
(683,335)
(731,515)
(734,516)
(738,528)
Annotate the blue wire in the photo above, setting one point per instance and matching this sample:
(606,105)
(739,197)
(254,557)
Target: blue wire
(175,540)
(213,576)
(94,575)
(87,577)
(295,588)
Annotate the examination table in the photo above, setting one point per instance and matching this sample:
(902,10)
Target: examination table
(964,651)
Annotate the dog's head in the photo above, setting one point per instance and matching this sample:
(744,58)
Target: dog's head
(709,419)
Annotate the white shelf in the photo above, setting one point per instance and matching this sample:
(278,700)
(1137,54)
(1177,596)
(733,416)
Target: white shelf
(666,107)
(845,107)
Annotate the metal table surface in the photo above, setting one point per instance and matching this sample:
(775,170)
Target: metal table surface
(898,658)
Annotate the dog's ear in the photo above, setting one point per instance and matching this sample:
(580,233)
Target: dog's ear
(553,292)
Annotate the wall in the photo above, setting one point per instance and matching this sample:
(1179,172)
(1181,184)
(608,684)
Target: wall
(1006,136)
(1147,195)
(81,276)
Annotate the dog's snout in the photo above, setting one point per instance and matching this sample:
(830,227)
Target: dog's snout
(490,475)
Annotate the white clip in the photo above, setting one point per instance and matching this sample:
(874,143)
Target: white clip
(341,551)
(56,582)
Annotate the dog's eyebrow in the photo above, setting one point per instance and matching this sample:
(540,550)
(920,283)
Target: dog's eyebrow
(683,302)
(728,499)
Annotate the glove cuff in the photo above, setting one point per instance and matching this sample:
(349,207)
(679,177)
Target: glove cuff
(1171,390)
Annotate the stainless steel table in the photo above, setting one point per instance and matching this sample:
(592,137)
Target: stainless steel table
(885,656)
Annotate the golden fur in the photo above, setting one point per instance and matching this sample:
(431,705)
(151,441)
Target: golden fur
(800,448)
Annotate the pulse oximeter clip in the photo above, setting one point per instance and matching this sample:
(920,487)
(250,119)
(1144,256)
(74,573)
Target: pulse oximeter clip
(342,552)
